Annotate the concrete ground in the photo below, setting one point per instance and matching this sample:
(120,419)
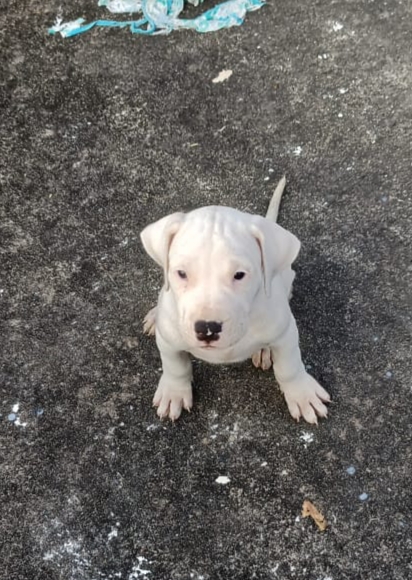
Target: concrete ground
(100,135)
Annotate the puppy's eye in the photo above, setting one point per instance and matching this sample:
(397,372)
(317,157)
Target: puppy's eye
(239,275)
(182,274)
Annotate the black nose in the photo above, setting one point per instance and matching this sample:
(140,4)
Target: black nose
(208,330)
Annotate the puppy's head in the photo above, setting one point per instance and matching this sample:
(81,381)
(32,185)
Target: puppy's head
(216,262)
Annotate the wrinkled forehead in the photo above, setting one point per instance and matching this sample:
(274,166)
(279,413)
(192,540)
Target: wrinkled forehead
(217,232)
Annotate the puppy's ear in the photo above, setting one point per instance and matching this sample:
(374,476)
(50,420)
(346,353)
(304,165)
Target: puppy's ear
(158,237)
(278,247)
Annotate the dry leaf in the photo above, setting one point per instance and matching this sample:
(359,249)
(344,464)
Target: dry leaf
(309,510)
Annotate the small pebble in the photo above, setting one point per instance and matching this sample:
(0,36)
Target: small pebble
(388,374)
(351,470)
(363,496)
(12,417)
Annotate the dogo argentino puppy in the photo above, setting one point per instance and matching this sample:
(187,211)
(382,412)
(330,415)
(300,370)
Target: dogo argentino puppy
(227,283)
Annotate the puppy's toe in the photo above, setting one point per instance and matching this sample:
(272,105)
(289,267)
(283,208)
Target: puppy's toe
(149,322)
(162,412)
(293,409)
(263,359)
(322,394)
(175,409)
(309,414)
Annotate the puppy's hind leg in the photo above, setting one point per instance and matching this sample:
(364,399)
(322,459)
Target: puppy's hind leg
(149,322)
(263,359)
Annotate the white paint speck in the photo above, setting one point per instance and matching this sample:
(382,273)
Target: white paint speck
(266,178)
(343,91)
(306,437)
(222,76)
(222,479)
(71,547)
(363,496)
(284,472)
(112,534)
(297,151)
(15,407)
(264,464)
(137,570)
(18,423)
(340,115)
(337,26)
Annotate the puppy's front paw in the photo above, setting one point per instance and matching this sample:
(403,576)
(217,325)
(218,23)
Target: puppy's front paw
(170,399)
(305,398)
(149,322)
(263,359)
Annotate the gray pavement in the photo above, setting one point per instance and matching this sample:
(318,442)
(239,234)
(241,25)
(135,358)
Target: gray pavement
(102,134)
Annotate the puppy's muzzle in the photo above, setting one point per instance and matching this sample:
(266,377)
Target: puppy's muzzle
(208,330)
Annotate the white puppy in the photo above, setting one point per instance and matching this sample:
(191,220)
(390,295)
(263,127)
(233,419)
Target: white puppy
(227,283)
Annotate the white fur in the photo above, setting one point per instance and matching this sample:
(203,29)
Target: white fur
(209,246)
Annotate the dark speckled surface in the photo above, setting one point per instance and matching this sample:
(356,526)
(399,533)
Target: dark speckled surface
(101,134)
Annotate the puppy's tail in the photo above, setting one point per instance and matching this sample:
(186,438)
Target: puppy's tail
(273,209)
